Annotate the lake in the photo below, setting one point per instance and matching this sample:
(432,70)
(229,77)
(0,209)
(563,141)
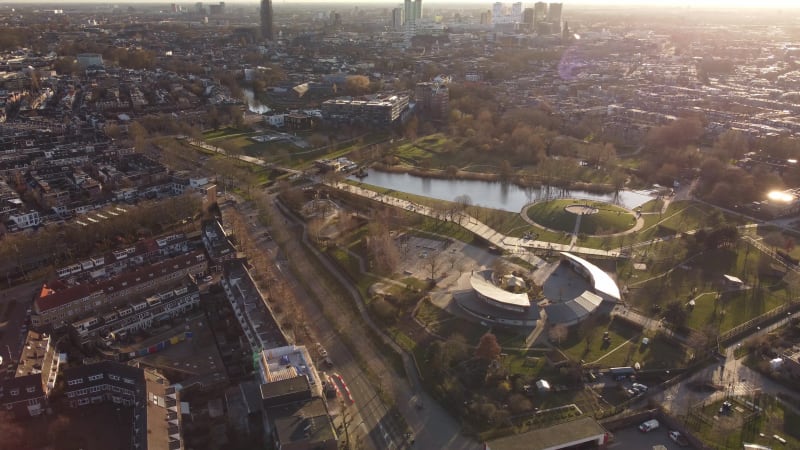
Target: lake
(494,194)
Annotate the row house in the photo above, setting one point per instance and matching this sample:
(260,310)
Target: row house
(56,307)
(119,322)
(250,307)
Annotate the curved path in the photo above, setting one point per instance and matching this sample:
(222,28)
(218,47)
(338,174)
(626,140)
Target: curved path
(508,243)
(524,213)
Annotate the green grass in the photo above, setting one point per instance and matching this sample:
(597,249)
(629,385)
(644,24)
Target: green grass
(654,205)
(701,279)
(625,347)
(608,220)
(777,419)
(576,348)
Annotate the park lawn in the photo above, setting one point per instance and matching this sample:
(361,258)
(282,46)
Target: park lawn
(610,219)
(551,214)
(652,206)
(222,132)
(703,312)
(689,277)
(526,363)
(576,348)
(659,353)
(508,223)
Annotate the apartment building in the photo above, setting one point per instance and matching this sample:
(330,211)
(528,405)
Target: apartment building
(59,305)
(157,407)
(25,395)
(120,322)
(251,308)
(384,110)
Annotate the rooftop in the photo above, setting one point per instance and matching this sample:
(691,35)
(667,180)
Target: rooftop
(601,281)
(484,286)
(303,425)
(552,437)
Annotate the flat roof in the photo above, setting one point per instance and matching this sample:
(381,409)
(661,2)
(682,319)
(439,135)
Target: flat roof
(487,289)
(575,309)
(552,437)
(601,281)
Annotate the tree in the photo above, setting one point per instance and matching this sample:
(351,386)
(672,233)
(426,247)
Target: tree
(434,263)
(488,349)
(357,84)
(676,313)
(557,333)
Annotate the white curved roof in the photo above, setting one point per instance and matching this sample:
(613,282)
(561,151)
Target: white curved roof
(601,281)
(487,289)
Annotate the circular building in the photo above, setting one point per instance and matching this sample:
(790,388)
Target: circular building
(574,290)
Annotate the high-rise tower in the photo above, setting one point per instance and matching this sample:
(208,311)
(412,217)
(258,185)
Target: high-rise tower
(266,20)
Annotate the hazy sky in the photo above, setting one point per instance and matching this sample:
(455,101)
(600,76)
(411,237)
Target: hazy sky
(681,3)
(726,4)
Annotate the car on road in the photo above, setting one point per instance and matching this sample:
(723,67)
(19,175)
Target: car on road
(321,350)
(678,438)
(649,426)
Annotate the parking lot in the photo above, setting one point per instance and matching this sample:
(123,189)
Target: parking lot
(632,438)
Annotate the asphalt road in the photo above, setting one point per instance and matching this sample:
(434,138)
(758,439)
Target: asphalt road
(368,415)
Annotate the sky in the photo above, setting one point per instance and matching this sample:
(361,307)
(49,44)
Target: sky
(727,4)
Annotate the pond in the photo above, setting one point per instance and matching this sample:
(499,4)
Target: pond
(494,194)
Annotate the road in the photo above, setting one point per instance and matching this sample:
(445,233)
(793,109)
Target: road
(368,413)
(430,427)
(731,373)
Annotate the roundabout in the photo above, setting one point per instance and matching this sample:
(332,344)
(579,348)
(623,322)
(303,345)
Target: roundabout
(581,216)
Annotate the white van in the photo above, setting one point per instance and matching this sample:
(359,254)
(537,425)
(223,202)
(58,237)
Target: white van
(649,426)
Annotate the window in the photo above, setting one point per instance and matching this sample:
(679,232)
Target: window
(70,394)
(94,389)
(99,376)
(83,401)
(30,389)
(129,380)
(113,377)
(75,382)
(114,389)
(15,391)
(33,402)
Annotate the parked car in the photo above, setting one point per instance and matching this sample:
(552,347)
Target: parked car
(649,426)
(321,350)
(678,438)
(640,387)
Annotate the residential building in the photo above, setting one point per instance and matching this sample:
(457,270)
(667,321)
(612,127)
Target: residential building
(384,110)
(25,395)
(122,321)
(218,244)
(250,307)
(58,304)
(433,100)
(157,407)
